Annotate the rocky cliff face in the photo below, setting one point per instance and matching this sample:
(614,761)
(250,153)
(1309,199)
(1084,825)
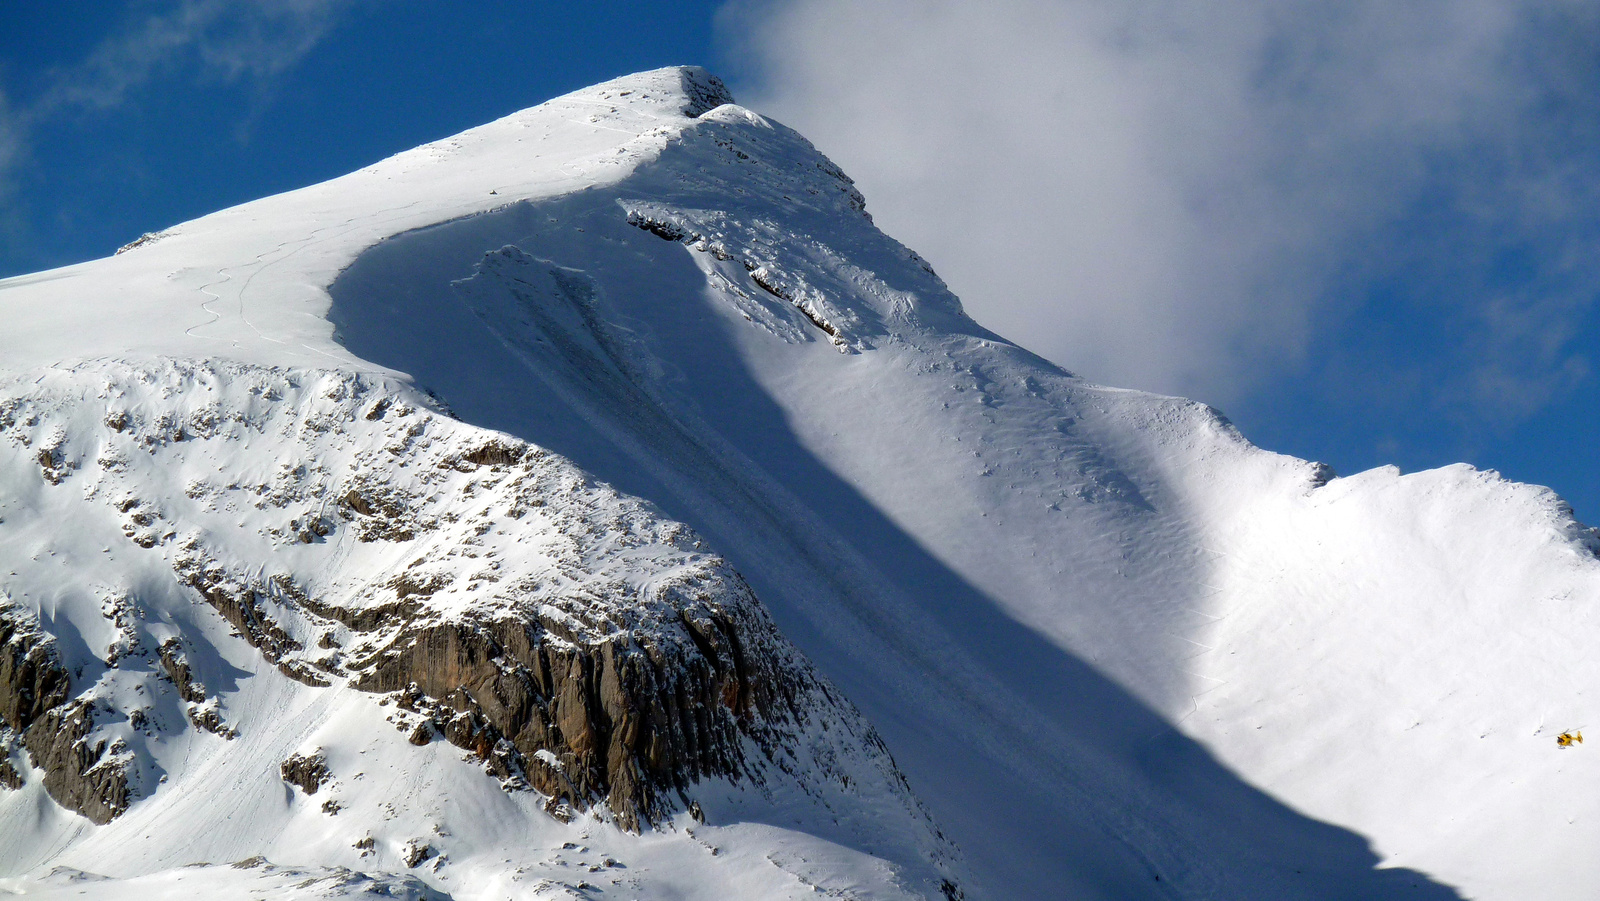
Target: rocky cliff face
(32,679)
(572,640)
(633,717)
(83,773)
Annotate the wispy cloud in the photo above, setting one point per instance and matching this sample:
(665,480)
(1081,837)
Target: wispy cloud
(225,41)
(220,39)
(11,141)
(1179,196)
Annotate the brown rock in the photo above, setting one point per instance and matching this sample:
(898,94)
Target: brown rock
(308,771)
(624,720)
(418,852)
(32,679)
(176,665)
(422,734)
(80,776)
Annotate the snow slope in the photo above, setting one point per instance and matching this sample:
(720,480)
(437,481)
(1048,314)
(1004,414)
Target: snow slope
(230,558)
(1116,650)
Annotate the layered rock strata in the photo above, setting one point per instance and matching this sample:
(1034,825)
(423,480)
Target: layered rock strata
(572,639)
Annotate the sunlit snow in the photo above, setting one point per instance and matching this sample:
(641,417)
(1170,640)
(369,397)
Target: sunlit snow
(1117,651)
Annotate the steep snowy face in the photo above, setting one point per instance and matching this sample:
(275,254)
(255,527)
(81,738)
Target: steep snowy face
(1118,651)
(176,531)
(580,648)
(254,608)
(1423,636)
(1062,593)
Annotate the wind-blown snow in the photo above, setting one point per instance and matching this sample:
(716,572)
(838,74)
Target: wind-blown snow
(1118,651)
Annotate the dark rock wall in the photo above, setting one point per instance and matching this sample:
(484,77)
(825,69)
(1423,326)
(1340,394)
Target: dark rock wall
(32,679)
(628,719)
(79,773)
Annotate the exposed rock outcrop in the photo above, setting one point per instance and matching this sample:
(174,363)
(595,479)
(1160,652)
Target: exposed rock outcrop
(309,771)
(80,773)
(32,679)
(240,606)
(573,640)
(703,92)
(627,718)
(176,665)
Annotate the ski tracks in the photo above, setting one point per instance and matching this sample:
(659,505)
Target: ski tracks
(286,250)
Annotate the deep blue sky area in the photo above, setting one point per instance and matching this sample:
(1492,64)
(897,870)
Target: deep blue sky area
(189,139)
(118,118)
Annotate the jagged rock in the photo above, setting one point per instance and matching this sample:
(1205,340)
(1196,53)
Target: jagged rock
(9,777)
(422,734)
(299,673)
(308,771)
(176,665)
(311,528)
(240,606)
(208,718)
(626,719)
(81,775)
(52,465)
(32,679)
(703,92)
(494,453)
(382,513)
(418,852)
(34,687)
(143,240)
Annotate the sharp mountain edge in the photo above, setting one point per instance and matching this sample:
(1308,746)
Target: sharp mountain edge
(595,504)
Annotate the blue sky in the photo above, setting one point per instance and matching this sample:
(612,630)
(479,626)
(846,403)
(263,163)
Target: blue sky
(1368,233)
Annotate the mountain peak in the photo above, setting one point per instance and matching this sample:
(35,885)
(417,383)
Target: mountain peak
(689,90)
(265,600)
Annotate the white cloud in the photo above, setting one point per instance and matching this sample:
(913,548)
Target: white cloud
(1175,195)
(10,141)
(228,39)
(12,145)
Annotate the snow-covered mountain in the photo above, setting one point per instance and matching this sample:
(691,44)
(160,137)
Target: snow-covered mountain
(595,504)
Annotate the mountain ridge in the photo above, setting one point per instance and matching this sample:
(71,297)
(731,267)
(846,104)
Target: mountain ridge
(1063,605)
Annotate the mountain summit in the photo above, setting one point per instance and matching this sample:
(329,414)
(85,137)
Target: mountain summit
(596,504)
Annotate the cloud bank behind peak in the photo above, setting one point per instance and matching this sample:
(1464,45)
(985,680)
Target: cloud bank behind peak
(1190,197)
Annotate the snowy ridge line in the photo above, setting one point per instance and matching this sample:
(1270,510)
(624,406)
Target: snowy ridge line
(1006,568)
(129,302)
